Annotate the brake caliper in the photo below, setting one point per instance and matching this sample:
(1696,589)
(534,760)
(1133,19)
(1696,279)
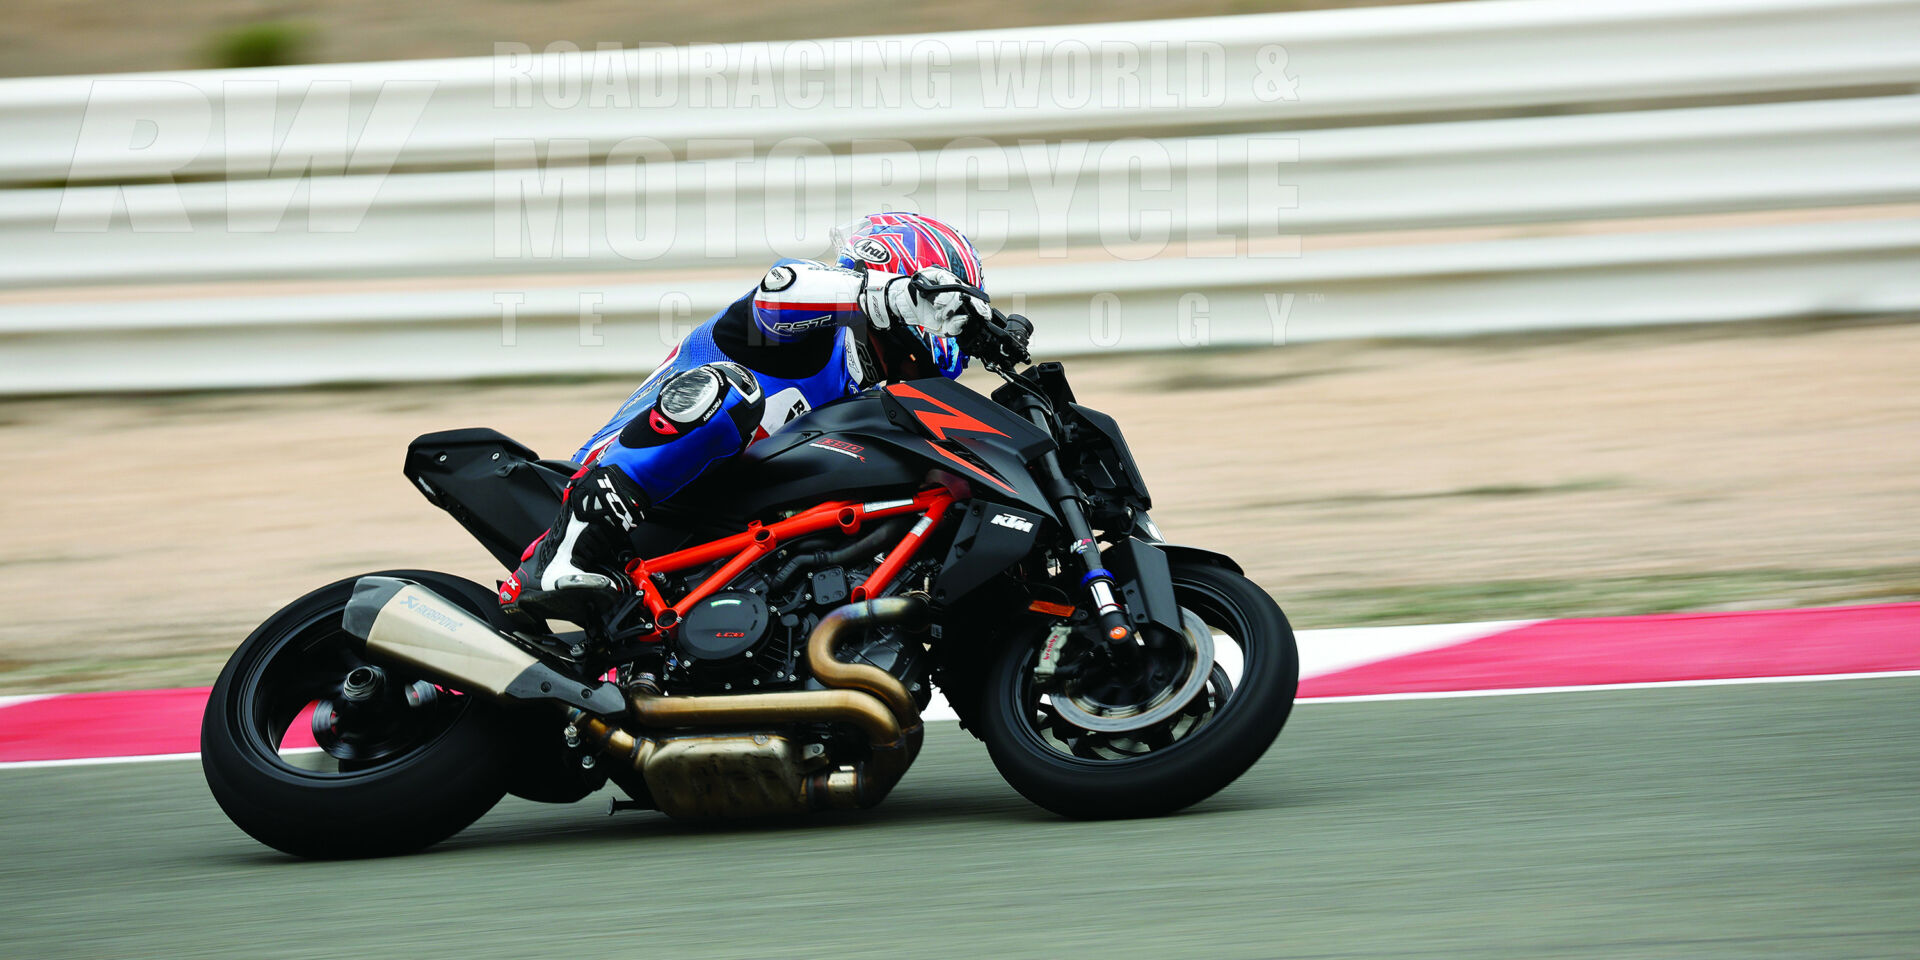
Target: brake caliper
(1050,654)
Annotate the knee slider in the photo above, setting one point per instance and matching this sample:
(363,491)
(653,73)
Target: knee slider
(691,398)
(685,401)
(688,400)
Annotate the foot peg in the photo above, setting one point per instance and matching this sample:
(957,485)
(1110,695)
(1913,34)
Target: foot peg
(582,581)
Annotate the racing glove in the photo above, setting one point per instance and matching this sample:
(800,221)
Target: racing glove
(890,298)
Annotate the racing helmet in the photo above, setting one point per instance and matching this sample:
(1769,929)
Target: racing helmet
(905,243)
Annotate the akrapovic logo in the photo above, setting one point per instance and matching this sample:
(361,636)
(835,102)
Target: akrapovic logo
(1012,522)
(429,613)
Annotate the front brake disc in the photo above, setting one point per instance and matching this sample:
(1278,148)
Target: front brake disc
(1088,714)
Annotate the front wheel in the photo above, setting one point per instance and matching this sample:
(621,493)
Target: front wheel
(1163,734)
(316,750)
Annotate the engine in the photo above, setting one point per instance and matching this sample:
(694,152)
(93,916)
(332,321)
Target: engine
(752,635)
(735,640)
(697,746)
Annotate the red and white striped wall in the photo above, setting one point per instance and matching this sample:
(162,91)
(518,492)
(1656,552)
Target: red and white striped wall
(1365,663)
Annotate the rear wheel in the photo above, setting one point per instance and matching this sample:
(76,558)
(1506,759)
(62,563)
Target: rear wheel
(314,749)
(1150,735)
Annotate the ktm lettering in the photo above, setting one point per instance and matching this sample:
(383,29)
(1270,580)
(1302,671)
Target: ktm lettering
(1012,522)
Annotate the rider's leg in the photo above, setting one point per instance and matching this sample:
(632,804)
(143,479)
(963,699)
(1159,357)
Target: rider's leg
(574,569)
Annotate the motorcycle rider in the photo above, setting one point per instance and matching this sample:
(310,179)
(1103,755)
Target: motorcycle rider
(808,333)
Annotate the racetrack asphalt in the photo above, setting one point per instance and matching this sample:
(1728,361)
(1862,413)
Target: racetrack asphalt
(1775,820)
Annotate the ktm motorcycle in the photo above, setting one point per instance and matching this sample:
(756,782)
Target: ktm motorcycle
(786,624)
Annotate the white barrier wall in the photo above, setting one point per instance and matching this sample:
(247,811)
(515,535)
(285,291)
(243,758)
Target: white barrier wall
(1142,185)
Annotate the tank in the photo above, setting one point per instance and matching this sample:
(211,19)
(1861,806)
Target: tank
(836,452)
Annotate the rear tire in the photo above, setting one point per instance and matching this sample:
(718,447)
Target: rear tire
(1190,769)
(421,794)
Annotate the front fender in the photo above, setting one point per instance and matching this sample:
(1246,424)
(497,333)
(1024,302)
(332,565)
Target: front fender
(1178,553)
(1141,571)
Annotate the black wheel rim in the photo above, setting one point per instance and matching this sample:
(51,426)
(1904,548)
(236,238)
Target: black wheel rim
(305,670)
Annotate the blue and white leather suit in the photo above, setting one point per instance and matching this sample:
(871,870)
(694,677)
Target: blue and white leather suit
(789,345)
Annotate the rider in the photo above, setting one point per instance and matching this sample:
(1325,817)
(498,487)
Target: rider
(809,333)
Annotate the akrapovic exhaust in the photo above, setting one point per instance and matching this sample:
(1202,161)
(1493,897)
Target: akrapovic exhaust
(409,624)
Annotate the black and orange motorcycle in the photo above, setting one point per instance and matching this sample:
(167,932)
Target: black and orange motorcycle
(786,625)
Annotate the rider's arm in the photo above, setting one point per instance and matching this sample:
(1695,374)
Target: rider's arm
(798,297)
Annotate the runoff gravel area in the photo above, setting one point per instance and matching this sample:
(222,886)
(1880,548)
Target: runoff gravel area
(1712,467)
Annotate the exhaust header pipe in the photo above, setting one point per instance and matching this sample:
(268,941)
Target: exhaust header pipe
(865,697)
(409,624)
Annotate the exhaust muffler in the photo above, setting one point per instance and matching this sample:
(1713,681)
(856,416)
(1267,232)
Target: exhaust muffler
(678,744)
(409,624)
(674,759)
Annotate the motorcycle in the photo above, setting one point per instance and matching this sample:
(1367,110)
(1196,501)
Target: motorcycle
(787,622)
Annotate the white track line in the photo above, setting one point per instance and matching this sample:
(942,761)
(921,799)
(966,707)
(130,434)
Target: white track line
(1358,698)
(98,761)
(94,761)
(1584,688)
(1330,651)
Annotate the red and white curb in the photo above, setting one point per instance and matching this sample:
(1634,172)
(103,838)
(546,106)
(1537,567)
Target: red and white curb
(1497,658)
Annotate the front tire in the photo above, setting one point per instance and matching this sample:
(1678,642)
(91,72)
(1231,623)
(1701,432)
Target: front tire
(416,776)
(1223,737)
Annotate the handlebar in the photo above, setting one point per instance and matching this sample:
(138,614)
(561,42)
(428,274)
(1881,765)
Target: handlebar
(1000,338)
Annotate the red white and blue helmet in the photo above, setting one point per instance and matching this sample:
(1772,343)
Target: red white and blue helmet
(905,243)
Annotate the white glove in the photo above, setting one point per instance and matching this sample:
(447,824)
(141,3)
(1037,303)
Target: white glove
(889,298)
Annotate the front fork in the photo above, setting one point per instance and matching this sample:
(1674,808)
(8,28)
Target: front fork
(1096,579)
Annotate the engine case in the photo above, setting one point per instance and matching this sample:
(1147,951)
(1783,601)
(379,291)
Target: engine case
(723,626)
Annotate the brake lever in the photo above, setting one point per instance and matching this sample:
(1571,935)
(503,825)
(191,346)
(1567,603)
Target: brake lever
(958,286)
